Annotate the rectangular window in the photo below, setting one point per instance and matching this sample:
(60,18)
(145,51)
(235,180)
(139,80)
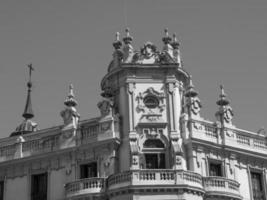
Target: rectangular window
(257,186)
(215,169)
(39,187)
(155,161)
(88,170)
(1,190)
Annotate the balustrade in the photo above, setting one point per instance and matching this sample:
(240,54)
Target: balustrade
(88,185)
(234,137)
(221,185)
(156,176)
(150,177)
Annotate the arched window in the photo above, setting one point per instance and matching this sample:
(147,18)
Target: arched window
(153,143)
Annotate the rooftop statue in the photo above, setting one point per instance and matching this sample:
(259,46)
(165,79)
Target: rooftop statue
(148,54)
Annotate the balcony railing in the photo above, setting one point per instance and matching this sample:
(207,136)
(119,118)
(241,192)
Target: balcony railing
(155,177)
(214,185)
(217,186)
(52,140)
(237,138)
(85,186)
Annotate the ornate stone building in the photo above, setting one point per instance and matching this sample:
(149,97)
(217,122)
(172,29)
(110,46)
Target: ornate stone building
(149,142)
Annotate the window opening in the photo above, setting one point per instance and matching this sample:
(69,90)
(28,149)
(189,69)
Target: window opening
(39,187)
(155,161)
(88,170)
(215,169)
(1,190)
(257,186)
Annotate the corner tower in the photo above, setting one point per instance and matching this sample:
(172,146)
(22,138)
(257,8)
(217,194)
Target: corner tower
(147,89)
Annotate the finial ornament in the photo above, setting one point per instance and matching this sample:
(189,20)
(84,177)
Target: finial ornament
(117,44)
(117,36)
(127,39)
(222,101)
(127,32)
(166,39)
(70,100)
(69,114)
(225,113)
(190,92)
(175,43)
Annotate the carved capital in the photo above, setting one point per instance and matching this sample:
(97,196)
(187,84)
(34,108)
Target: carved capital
(131,88)
(133,142)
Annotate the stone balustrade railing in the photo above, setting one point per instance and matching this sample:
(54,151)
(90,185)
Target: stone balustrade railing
(154,177)
(229,136)
(43,142)
(85,186)
(215,184)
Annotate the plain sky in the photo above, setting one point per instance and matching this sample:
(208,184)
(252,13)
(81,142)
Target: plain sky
(70,41)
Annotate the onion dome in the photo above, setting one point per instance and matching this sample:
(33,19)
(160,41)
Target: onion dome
(175,44)
(166,39)
(27,126)
(70,100)
(117,43)
(222,101)
(127,39)
(191,92)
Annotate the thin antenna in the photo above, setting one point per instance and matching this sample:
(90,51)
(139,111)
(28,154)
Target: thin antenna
(125,13)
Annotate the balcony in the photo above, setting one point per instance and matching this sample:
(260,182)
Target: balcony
(221,187)
(229,136)
(51,140)
(88,186)
(155,177)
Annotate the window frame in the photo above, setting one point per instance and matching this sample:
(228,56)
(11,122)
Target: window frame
(86,163)
(216,162)
(262,173)
(47,183)
(2,182)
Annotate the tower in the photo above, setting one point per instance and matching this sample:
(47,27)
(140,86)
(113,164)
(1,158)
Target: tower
(146,88)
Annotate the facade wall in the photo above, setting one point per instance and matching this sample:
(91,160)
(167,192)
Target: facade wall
(56,185)
(17,188)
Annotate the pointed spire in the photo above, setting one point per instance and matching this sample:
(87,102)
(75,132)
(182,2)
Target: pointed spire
(166,39)
(191,92)
(117,43)
(28,111)
(27,126)
(128,38)
(222,99)
(70,100)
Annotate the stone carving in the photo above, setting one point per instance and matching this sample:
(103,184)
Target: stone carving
(150,92)
(262,131)
(70,117)
(147,55)
(228,114)
(128,51)
(105,107)
(69,114)
(195,105)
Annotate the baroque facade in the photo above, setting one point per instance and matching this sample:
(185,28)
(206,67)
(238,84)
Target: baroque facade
(149,142)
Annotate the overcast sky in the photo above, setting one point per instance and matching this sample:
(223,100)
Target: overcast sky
(222,42)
